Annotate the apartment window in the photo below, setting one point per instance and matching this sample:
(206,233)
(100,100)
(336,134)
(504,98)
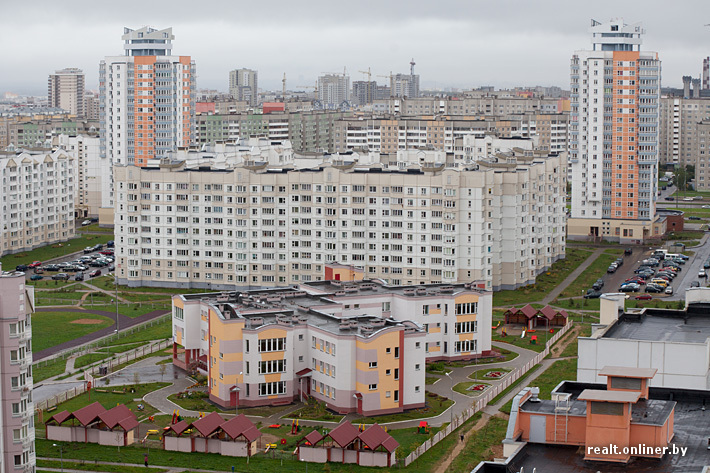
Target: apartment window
(372,364)
(373,387)
(270,389)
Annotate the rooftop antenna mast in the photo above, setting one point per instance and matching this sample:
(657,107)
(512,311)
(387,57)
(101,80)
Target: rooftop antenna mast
(411,66)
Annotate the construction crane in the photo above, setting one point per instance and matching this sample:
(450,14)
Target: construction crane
(369,74)
(411,66)
(344,73)
(283,91)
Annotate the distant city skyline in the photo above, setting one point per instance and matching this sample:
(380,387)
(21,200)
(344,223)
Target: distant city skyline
(459,45)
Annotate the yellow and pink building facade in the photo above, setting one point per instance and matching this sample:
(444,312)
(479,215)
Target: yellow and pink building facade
(358,346)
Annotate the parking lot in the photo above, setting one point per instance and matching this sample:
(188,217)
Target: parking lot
(686,276)
(97,260)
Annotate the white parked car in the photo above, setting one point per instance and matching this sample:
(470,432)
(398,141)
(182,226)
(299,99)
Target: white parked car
(702,274)
(86,222)
(687,199)
(669,290)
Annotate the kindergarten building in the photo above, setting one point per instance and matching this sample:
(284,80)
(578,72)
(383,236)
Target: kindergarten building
(358,346)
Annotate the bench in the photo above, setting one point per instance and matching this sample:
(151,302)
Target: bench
(53,408)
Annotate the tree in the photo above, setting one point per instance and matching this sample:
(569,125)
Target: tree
(163,369)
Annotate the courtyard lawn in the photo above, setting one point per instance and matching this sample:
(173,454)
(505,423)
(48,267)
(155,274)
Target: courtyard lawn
(130,310)
(49,329)
(45,253)
(435,405)
(527,341)
(43,370)
(410,439)
(545,282)
(107,283)
(95,228)
(516,386)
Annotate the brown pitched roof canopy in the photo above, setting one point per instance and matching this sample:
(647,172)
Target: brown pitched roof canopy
(115,415)
(241,426)
(180,427)
(344,434)
(373,436)
(59,417)
(208,424)
(88,414)
(314,437)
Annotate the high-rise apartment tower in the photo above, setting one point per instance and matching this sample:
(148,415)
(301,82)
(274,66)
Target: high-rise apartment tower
(66,90)
(244,85)
(147,98)
(613,137)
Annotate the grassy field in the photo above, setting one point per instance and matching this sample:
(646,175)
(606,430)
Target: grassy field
(92,466)
(544,282)
(201,404)
(53,251)
(572,348)
(107,283)
(130,310)
(685,235)
(95,228)
(49,329)
(42,370)
(525,342)
(479,446)
(515,385)
(435,405)
(315,411)
(410,439)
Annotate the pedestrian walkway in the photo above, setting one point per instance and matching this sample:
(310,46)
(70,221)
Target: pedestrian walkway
(159,398)
(573,275)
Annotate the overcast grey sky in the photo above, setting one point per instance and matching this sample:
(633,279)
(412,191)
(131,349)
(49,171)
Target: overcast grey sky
(461,44)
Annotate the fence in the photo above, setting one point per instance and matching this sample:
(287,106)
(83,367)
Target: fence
(480,403)
(105,341)
(112,363)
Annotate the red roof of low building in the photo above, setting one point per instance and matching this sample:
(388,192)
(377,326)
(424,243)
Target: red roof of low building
(548,312)
(390,444)
(88,414)
(59,417)
(208,424)
(128,423)
(113,416)
(373,436)
(344,434)
(529,311)
(303,372)
(314,437)
(241,426)
(179,427)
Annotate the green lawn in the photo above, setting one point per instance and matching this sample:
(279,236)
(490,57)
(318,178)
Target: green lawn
(526,342)
(53,251)
(49,329)
(431,380)
(544,282)
(314,410)
(95,228)
(579,303)
(685,235)
(435,405)
(462,388)
(129,310)
(49,283)
(107,283)
(44,370)
(89,358)
(479,445)
(410,439)
(572,348)
(92,466)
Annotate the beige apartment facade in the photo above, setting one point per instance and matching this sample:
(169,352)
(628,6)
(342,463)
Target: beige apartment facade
(500,222)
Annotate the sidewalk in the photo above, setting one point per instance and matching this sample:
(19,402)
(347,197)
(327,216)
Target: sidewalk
(573,275)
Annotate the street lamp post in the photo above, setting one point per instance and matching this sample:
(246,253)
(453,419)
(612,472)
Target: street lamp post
(452,395)
(115,280)
(61,455)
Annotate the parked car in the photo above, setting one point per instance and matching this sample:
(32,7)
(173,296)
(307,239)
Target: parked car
(630,287)
(619,261)
(85,223)
(94,273)
(611,269)
(687,199)
(79,277)
(35,264)
(644,297)
(94,219)
(669,290)
(111,267)
(669,198)
(51,267)
(98,247)
(109,244)
(39,270)
(663,188)
(36,277)
(592,295)
(22,267)
(628,251)
(695,284)
(693,217)
(88,250)
(107,252)
(654,288)
(61,277)
(702,273)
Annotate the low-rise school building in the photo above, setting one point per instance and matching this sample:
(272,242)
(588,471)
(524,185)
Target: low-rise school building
(358,346)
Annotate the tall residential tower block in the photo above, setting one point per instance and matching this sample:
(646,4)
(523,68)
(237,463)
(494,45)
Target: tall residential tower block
(613,137)
(147,98)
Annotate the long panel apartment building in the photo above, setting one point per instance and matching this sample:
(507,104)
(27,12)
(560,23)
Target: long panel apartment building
(501,221)
(38,193)
(356,346)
